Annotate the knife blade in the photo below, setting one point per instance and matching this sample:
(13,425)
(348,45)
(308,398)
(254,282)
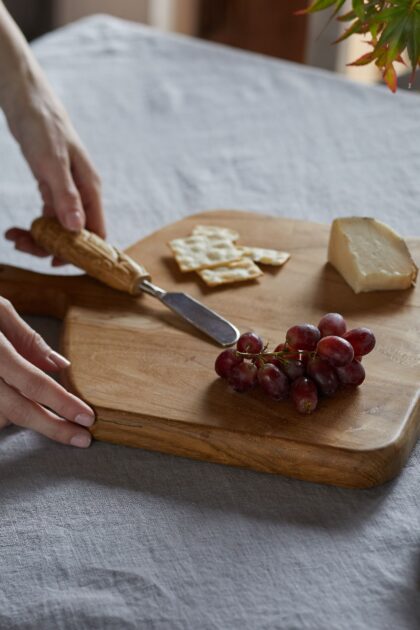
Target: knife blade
(108,264)
(200,316)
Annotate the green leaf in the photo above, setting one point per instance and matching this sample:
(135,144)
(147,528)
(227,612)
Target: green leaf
(364,59)
(359,8)
(393,30)
(346,17)
(413,43)
(388,15)
(393,39)
(390,78)
(374,30)
(356,27)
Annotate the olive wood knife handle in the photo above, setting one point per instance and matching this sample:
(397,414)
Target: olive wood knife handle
(92,254)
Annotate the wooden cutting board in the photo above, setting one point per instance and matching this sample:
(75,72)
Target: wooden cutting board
(151,381)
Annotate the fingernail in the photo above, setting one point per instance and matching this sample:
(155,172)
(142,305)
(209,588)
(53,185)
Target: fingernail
(85,419)
(58,360)
(81,440)
(74,220)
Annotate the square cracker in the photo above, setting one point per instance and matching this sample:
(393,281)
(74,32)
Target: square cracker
(202,252)
(214,230)
(238,271)
(265,256)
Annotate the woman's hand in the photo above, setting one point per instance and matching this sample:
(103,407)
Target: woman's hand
(68,182)
(70,190)
(28,397)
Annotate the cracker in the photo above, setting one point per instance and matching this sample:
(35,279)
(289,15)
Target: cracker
(238,271)
(202,252)
(265,256)
(214,230)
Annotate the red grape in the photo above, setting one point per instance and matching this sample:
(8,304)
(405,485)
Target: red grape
(304,395)
(332,324)
(293,368)
(281,347)
(335,350)
(274,361)
(324,375)
(313,361)
(303,337)
(250,342)
(352,374)
(273,382)
(362,339)
(243,377)
(225,362)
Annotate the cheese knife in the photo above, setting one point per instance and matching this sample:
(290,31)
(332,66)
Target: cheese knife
(108,264)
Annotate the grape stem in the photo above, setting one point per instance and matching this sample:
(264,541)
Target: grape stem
(283,354)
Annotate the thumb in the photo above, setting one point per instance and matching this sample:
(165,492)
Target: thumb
(27,342)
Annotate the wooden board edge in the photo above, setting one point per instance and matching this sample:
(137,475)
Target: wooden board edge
(327,465)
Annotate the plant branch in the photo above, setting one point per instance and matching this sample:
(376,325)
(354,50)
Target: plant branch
(393,27)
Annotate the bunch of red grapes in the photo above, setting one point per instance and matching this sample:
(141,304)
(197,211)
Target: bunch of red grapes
(313,361)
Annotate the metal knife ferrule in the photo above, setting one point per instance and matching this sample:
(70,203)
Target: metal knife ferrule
(151,289)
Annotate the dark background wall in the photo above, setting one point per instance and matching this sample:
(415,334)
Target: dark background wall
(35,17)
(265,26)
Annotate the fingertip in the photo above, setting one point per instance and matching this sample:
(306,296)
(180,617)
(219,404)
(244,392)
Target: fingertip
(58,360)
(67,203)
(85,419)
(13,233)
(81,440)
(74,220)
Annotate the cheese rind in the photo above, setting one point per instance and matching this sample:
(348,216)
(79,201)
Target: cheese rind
(370,255)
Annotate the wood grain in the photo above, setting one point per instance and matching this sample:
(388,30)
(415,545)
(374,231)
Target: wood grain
(150,377)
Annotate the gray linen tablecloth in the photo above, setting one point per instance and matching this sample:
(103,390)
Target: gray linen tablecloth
(120,538)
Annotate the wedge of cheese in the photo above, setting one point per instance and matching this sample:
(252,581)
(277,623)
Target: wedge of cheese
(370,255)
